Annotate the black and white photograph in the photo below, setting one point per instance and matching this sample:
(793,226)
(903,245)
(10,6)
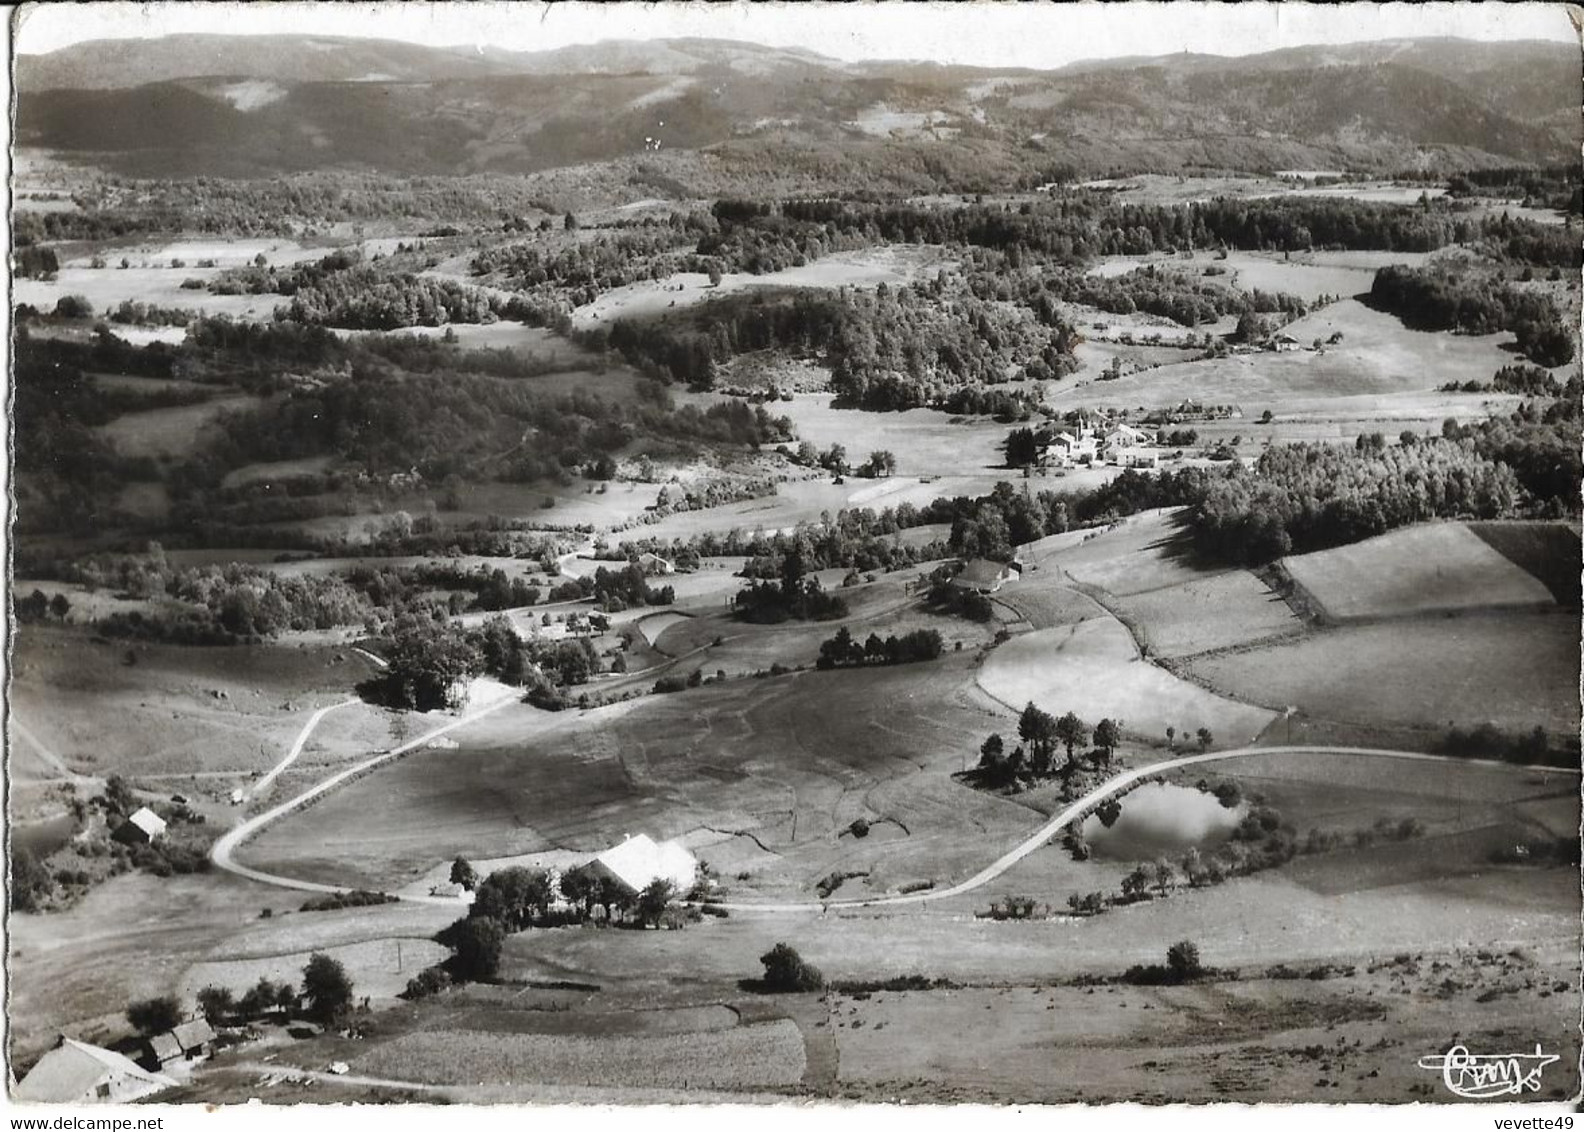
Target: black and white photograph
(811,556)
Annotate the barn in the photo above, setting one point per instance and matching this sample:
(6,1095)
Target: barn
(142,828)
(984,576)
(639,861)
(77,1073)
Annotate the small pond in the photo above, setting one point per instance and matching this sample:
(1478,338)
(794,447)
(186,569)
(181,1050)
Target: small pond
(1159,819)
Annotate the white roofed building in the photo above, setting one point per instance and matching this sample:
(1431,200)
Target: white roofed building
(143,826)
(78,1073)
(640,860)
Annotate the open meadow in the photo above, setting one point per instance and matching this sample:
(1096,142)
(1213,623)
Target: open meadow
(1516,670)
(1432,568)
(1376,355)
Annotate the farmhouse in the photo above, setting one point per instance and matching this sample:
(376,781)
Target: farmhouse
(77,1073)
(1134,457)
(985,576)
(1284,343)
(652,564)
(1126,436)
(639,861)
(142,828)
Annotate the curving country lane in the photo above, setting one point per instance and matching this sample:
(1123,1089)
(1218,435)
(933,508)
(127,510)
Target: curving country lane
(224,851)
(1106,789)
(223,854)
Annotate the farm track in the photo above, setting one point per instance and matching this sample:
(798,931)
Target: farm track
(314,720)
(45,753)
(1072,812)
(224,850)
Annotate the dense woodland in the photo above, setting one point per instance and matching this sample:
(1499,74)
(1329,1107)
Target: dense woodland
(1469,302)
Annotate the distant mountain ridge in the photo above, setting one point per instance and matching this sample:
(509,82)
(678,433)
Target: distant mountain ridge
(263,105)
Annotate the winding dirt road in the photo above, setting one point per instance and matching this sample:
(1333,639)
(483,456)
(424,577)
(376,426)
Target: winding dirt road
(224,850)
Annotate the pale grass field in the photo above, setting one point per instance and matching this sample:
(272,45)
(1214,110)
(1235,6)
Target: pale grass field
(759,1056)
(1226,610)
(1093,668)
(1432,568)
(1516,670)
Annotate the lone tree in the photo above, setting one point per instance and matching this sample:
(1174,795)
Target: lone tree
(1182,960)
(785,971)
(654,899)
(1106,736)
(215,1003)
(118,795)
(1206,738)
(1071,731)
(1171,738)
(1165,875)
(1022,448)
(1037,728)
(478,941)
(990,752)
(155,1015)
(464,874)
(581,887)
(326,987)
(1137,882)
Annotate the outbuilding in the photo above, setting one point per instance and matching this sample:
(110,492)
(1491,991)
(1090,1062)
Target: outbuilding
(984,576)
(143,827)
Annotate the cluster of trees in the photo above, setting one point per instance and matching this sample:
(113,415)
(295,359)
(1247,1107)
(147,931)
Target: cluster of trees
(802,599)
(1440,298)
(32,261)
(395,588)
(1528,748)
(1073,227)
(992,526)
(326,997)
(895,348)
(514,899)
(1525,380)
(296,204)
(1034,758)
(586,267)
(1002,404)
(364,298)
(843,651)
(857,539)
(1305,497)
(467,425)
(700,495)
(150,314)
(789,596)
(614,590)
(1168,292)
(1550,186)
(429,662)
(1544,447)
(904,347)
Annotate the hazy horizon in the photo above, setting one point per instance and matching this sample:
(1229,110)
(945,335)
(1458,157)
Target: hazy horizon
(1038,37)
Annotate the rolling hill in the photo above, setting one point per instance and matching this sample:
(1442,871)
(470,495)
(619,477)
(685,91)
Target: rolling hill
(259,106)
